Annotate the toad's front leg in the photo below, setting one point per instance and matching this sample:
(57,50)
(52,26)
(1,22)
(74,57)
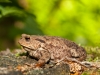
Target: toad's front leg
(44,58)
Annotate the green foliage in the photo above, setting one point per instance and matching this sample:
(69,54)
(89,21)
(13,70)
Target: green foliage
(77,20)
(93,53)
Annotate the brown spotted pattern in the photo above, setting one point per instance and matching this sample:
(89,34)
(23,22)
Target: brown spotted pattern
(46,48)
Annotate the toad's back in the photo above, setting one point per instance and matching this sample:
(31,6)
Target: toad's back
(59,48)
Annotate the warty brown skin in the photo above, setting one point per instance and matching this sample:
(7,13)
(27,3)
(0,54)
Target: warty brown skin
(51,48)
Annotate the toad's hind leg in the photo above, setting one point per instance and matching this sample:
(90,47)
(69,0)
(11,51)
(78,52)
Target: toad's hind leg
(76,67)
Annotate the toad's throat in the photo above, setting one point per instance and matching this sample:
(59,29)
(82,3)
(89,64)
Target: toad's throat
(27,48)
(32,52)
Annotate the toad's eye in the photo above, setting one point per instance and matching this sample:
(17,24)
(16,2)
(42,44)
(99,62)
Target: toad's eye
(27,39)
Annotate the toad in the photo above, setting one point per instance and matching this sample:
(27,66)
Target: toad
(51,48)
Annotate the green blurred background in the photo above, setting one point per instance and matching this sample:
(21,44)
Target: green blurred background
(76,20)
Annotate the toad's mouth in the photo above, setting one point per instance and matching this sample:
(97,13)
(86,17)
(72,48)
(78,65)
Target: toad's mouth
(31,52)
(27,48)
